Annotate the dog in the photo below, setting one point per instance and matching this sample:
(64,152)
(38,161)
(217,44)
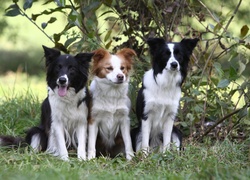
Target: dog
(158,99)
(109,127)
(64,112)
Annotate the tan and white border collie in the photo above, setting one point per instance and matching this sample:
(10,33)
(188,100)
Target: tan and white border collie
(109,127)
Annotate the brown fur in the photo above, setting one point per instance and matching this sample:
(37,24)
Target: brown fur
(101,61)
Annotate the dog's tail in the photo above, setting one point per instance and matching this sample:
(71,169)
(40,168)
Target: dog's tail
(35,137)
(12,142)
(176,137)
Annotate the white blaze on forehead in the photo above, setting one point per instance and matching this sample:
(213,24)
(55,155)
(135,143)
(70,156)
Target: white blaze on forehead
(115,61)
(172,58)
(171,48)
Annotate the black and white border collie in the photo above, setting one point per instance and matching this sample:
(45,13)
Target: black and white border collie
(158,99)
(65,111)
(109,128)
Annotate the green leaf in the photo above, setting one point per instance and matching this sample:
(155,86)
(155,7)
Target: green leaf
(107,36)
(57,37)
(107,46)
(243,31)
(233,75)
(108,2)
(70,41)
(217,27)
(27,4)
(72,17)
(218,69)
(44,25)
(242,113)
(34,16)
(47,2)
(12,11)
(190,117)
(111,18)
(52,19)
(60,3)
(223,83)
(92,7)
(242,68)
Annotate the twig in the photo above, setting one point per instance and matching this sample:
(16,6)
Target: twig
(220,121)
(25,15)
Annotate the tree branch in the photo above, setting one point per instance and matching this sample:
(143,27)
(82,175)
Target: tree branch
(220,121)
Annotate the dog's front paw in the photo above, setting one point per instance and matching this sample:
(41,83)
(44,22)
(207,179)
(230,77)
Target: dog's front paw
(91,155)
(129,155)
(64,158)
(145,152)
(81,157)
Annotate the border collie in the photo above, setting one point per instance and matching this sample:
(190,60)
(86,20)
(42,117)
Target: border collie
(65,111)
(158,99)
(109,128)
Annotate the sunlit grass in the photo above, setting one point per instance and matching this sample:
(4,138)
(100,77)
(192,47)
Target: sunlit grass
(18,84)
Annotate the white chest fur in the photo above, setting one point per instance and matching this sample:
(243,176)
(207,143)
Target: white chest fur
(110,107)
(162,95)
(67,109)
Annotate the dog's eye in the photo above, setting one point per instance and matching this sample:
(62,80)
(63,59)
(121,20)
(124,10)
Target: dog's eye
(168,53)
(59,66)
(109,68)
(122,68)
(176,52)
(71,68)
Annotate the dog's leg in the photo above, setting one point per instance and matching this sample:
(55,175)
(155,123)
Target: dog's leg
(36,142)
(60,141)
(93,130)
(167,131)
(125,130)
(146,128)
(81,134)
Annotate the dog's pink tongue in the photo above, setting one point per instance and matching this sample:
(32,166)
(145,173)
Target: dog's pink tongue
(62,91)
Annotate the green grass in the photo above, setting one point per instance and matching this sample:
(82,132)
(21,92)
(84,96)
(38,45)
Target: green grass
(18,84)
(20,110)
(224,160)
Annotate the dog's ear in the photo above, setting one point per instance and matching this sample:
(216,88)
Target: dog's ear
(189,45)
(84,58)
(50,54)
(127,53)
(100,54)
(155,44)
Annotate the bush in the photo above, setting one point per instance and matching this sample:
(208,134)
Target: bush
(216,92)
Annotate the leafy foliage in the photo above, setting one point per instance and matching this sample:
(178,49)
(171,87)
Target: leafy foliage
(216,92)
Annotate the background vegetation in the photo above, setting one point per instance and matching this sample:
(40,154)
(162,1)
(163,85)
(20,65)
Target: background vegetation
(214,113)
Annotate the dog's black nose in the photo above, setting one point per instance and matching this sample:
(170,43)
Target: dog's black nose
(62,80)
(120,77)
(174,65)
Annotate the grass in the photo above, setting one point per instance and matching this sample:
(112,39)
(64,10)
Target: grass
(18,84)
(20,110)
